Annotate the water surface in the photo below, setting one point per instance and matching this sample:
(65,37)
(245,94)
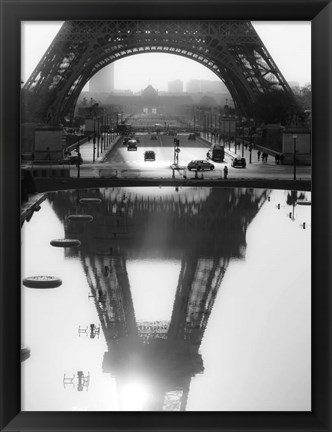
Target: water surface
(194,299)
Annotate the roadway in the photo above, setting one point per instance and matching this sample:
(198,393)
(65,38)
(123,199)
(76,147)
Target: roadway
(120,162)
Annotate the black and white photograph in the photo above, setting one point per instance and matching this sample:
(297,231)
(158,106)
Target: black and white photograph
(178,297)
(170,256)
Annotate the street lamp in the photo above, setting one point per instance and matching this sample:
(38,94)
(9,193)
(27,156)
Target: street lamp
(94,139)
(251,145)
(98,137)
(78,157)
(229,130)
(224,125)
(294,156)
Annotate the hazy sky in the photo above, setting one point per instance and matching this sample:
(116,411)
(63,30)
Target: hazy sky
(289,44)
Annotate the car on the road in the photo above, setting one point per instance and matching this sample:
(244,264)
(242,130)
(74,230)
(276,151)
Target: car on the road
(71,160)
(191,136)
(200,165)
(239,162)
(131,145)
(153,137)
(149,155)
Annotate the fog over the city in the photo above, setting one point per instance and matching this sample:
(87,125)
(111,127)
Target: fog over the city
(289,44)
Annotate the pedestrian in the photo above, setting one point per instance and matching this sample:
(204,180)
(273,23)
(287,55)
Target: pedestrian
(266,156)
(281,157)
(259,154)
(225,172)
(276,157)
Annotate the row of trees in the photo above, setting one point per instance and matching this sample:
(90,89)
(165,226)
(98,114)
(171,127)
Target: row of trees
(280,107)
(277,106)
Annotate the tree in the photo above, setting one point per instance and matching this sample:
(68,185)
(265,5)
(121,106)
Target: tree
(276,106)
(303,97)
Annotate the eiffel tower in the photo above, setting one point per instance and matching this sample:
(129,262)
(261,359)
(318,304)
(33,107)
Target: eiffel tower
(230,49)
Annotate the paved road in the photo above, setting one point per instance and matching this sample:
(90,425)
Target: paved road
(117,161)
(123,163)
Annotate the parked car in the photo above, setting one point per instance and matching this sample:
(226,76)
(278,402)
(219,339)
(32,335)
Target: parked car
(200,165)
(71,160)
(239,162)
(149,155)
(153,137)
(191,136)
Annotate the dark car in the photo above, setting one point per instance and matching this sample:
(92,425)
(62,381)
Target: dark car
(153,137)
(191,136)
(149,155)
(72,160)
(132,145)
(239,162)
(200,165)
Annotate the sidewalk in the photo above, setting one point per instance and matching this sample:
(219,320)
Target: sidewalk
(101,149)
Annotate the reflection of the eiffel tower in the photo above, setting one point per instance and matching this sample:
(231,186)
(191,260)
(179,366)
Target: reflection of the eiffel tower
(204,232)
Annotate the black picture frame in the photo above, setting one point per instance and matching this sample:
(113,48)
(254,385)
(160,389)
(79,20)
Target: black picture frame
(319,12)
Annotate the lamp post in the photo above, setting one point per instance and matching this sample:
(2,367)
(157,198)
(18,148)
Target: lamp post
(229,130)
(294,156)
(194,120)
(215,127)
(101,134)
(235,134)
(250,146)
(78,158)
(98,137)
(94,139)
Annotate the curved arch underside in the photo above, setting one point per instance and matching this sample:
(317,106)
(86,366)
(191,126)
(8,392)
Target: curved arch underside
(230,49)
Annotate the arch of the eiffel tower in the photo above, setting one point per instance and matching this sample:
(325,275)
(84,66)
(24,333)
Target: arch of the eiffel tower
(230,49)
(166,351)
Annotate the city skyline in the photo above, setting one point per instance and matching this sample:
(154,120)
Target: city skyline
(282,40)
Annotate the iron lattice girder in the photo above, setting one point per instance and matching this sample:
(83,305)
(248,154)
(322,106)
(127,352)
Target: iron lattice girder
(231,49)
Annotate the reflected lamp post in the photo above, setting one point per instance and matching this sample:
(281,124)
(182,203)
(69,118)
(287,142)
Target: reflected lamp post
(294,156)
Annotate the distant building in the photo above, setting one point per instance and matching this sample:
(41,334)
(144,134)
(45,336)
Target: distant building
(206,86)
(175,86)
(149,102)
(193,86)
